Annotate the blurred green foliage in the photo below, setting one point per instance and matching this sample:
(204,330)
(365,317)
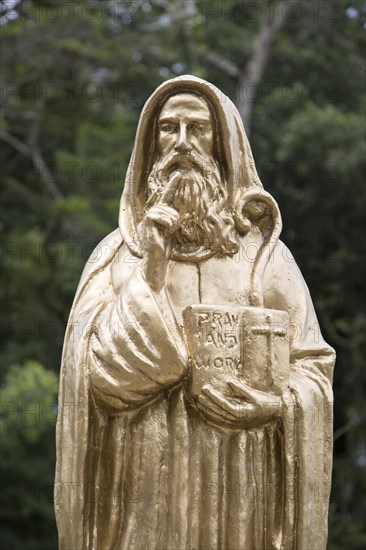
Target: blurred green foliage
(28,417)
(74,79)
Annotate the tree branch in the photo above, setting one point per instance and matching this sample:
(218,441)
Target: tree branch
(177,14)
(223,64)
(342,430)
(253,73)
(248,78)
(15,142)
(35,154)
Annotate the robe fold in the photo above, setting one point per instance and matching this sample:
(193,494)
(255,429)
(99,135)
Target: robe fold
(143,470)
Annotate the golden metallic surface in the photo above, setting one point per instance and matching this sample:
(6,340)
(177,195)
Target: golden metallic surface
(195,407)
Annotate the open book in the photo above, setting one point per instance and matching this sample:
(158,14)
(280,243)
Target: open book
(250,343)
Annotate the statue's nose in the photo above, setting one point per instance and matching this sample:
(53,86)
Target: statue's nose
(182,144)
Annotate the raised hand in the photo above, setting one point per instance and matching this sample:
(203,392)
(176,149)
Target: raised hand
(160,224)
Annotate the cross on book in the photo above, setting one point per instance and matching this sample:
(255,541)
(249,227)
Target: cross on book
(247,343)
(269,330)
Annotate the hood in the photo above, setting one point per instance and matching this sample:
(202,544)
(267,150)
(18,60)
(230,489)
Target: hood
(233,150)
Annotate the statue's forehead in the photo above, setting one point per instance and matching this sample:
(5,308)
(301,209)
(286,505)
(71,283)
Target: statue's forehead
(186,100)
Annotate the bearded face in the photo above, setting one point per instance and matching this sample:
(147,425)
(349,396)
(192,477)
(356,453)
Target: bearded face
(185,139)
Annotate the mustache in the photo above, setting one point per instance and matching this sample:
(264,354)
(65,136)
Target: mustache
(198,178)
(185,162)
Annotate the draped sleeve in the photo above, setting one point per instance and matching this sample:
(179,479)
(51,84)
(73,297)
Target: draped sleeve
(136,351)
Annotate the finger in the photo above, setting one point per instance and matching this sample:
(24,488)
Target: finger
(160,211)
(219,408)
(211,411)
(234,410)
(165,221)
(170,189)
(163,215)
(241,390)
(252,395)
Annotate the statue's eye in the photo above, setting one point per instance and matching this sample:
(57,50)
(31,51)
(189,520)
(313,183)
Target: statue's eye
(169,128)
(197,129)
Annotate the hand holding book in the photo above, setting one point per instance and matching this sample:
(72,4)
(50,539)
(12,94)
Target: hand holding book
(240,363)
(247,408)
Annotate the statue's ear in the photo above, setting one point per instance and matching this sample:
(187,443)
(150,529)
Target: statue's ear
(257,209)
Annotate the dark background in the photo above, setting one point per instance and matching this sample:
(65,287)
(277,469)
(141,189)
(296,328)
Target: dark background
(74,79)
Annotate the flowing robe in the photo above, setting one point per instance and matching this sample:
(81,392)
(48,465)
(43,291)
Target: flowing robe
(140,468)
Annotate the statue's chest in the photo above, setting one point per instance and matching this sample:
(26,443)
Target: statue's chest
(214,281)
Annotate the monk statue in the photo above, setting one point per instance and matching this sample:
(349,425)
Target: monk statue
(195,408)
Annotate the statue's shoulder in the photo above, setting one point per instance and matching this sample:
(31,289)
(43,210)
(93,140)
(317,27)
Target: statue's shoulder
(283,280)
(280,254)
(283,261)
(252,248)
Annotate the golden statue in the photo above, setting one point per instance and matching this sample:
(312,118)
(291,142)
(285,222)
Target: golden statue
(195,403)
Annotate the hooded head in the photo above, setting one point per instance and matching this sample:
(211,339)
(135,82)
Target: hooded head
(237,193)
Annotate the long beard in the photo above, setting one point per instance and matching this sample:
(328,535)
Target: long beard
(200,199)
